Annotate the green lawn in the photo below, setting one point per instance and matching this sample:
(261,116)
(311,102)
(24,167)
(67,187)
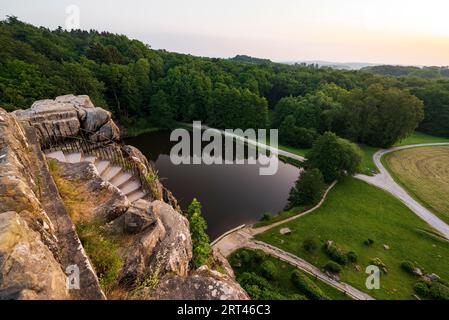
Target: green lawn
(368,167)
(281,283)
(354,212)
(419,137)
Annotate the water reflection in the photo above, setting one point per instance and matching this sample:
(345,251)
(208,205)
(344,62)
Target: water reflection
(231,195)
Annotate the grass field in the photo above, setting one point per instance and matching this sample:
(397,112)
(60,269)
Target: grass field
(424,173)
(368,166)
(418,138)
(281,283)
(355,212)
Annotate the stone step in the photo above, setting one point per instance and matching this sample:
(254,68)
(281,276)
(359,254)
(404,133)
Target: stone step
(130,187)
(90,159)
(136,195)
(109,174)
(58,155)
(73,157)
(102,165)
(121,179)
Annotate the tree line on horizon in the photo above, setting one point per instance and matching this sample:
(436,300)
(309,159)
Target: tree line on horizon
(146,87)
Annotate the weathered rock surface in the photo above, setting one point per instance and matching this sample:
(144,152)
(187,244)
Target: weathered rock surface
(25,188)
(176,247)
(203,284)
(101,200)
(28,269)
(66,116)
(139,217)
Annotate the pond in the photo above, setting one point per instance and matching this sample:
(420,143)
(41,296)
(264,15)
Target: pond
(231,195)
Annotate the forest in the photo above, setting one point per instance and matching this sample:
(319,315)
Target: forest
(143,87)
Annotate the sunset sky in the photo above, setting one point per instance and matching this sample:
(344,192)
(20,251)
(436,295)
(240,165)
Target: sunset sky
(381,31)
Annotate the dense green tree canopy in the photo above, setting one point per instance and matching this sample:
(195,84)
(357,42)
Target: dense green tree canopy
(136,82)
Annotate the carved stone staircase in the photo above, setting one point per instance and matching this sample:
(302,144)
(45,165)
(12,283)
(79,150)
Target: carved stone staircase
(126,182)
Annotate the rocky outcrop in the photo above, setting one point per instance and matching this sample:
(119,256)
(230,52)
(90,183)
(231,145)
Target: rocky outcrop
(203,284)
(177,244)
(28,269)
(97,199)
(38,238)
(154,234)
(68,116)
(27,189)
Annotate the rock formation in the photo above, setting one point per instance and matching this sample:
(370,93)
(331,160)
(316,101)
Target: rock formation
(41,208)
(69,116)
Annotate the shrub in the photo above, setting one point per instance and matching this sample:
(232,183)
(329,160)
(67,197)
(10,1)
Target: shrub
(352,257)
(422,289)
(408,266)
(258,256)
(267,216)
(439,291)
(268,270)
(379,263)
(336,254)
(200,240)
(310,244)
(307,286)
(333,267)
(368,242)
(308,190)
(245,257)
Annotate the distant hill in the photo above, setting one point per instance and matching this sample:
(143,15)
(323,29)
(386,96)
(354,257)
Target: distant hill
(249,59)
(336,65)
(409,71)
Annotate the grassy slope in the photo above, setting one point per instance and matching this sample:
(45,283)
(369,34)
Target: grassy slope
(354,212)
(424,173)
(283,284)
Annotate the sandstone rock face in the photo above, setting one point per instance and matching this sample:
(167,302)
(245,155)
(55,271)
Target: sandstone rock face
(176,247)
(204,284)
(46,234)
(66,116)
(28,269)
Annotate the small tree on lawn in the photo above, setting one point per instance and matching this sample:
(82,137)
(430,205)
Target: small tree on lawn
(309,189)
(200,240)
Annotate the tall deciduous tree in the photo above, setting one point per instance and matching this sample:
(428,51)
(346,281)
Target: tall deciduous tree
(334,157)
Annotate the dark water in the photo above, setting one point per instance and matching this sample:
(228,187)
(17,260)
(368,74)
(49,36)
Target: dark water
(231,195)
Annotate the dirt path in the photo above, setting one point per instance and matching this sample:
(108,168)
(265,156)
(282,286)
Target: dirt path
(386,182)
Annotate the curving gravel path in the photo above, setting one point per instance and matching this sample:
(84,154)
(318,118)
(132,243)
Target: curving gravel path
(386,182)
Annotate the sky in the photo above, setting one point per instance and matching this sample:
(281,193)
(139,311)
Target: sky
(406,32)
